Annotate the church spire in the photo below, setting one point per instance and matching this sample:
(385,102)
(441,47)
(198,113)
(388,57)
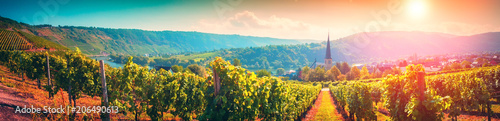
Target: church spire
(328,53)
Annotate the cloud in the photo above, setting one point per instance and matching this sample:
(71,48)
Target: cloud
(248,23)
(466,29)
(455,28)
(250,20)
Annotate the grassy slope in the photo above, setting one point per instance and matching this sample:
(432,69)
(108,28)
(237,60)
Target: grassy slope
(197,57)
(40,42)
(28,91)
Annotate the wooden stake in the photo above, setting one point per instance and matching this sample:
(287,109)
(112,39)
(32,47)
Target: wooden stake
(104,90)
(216,82)
(421,84)
(49,83)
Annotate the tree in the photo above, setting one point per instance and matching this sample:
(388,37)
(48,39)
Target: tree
(177,68)
(376,74)
(364,73)
(305,73)
(403,63)
(446,68)
(280,71)
(320,74)
(350,76)
(344,68)
(317,74)
(386,72)
(356,73)
(338,65)
(191,61)
(186,70)
(341,77)
(265,64)
(466,64)
(486,64)
(236,62)
(481,60)
(141,60)
(263,72)
(296,76)
(396,71)
(196,69)
(311,76)
(393,71)
(456,66)
(332,74)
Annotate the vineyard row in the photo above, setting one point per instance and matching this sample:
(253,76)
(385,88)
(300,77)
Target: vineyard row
(412,96)
(136,90)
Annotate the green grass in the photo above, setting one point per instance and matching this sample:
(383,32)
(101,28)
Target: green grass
(8,84)
(197,56)
(326,111)
(41,42)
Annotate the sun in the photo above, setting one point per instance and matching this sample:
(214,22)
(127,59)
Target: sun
(416,8)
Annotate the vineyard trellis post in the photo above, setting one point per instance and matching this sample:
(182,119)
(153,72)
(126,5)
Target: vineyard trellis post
(421,89)
(489,110)
(69,85)
(49,83)
(493,95)
(104,90)
(216,82)
(21,61)
(421,85)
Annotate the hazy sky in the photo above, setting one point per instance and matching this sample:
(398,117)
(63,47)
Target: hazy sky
(290,19)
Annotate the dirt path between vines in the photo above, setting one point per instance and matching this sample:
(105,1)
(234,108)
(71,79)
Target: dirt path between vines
(323,109)
(9,100)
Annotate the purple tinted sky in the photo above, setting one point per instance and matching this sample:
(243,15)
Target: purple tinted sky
(292,19)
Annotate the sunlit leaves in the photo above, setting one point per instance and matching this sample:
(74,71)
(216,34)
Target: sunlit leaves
(244,96)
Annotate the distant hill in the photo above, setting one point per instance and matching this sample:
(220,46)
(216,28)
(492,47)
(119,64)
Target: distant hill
(93,40)
(397,44)
(480,42)
(375,47)
(361,47)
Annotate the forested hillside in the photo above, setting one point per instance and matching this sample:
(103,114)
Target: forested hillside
(92,40)
(254,52)
(358,48)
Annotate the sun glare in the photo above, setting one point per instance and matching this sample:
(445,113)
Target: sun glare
(416,8)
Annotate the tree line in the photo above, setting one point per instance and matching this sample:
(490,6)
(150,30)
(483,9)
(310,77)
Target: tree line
(342,71)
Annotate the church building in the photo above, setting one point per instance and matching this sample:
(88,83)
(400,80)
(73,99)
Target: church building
(328,56)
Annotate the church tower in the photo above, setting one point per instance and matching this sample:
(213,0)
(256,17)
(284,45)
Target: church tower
(328,56)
